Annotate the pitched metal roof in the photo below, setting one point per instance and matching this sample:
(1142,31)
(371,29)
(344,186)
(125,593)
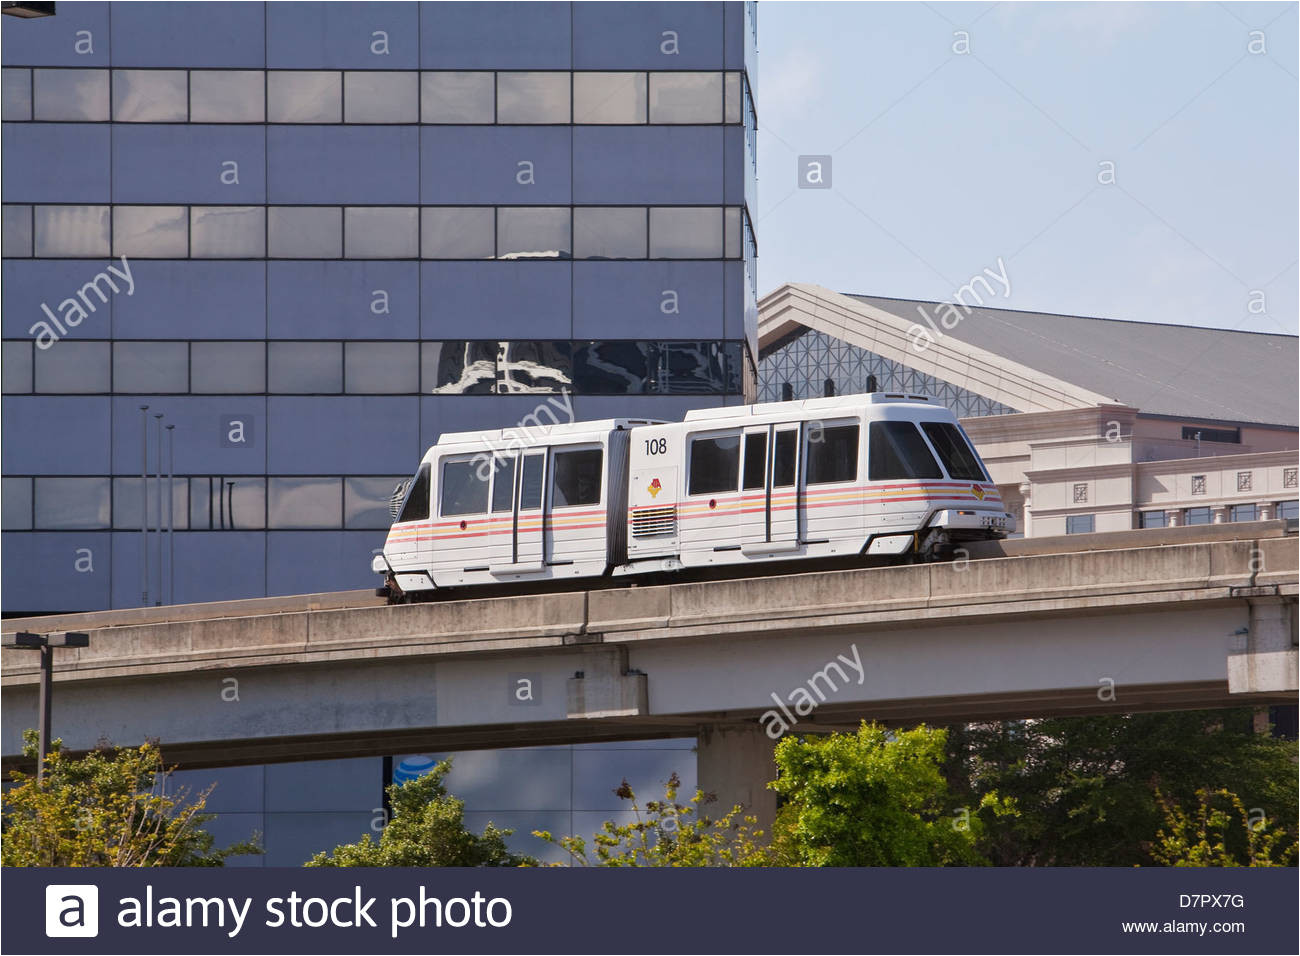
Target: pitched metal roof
(1179,370)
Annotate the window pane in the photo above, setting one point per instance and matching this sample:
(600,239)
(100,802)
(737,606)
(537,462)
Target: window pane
(686,97)
(305,367)
(715,464)
(1153,519)
(456,98)
(72,231)
(16,103)
(685,232)
(609,98)
(126,501)
(503,478)
(533,232)
(305,232)
(785,460)
(532,97)
(227,96)
(897,450)
(458,232)
(72,503)
(458,368)
(304,96)
(17,231)
(79,95)
(612,368)
(382,368)
(366,501)
(1288,510)
(832,454)
(151,367)
(732,110)
(609,233)
(1198,516)
(416,505)
(150,96)
(576,478)
(464,489)
(16,502)
(233,504)
(1243,513)
(73,367)
(228,232)
(693,368)
(1079,524)
(534,367)
(16,374)
(305,502)
(755,461)
(377,97)
(957,457)
(731,232)
(230,368)
(378,232)
(154,232)
(530,490)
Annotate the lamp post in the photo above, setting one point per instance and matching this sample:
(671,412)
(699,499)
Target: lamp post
(45,643)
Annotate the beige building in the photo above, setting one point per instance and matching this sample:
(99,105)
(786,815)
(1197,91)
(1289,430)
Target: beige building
(1086,424)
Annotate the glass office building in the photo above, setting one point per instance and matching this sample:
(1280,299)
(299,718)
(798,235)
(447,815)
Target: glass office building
(312,237)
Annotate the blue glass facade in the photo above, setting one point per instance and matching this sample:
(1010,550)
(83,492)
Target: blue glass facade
(313,209)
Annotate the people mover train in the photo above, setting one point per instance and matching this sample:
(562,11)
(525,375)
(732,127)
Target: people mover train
(877,474)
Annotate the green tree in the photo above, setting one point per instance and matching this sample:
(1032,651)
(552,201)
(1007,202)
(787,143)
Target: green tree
(875,798)
(427,828)
(670,834)
(1220,832)
(110,807)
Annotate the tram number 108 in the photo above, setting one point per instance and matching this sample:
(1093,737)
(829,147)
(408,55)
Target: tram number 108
(656,446)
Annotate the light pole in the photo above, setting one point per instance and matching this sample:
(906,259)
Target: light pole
(45,643)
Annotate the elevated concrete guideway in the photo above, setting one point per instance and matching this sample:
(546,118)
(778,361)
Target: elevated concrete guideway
(1170,618)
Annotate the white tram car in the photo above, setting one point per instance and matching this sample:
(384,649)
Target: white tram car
(876,474)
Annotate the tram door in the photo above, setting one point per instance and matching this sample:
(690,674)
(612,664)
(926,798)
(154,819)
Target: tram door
(528,517)
(770,489)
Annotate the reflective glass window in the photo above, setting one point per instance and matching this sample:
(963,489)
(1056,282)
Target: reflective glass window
(151,367)
(17,231)
(367,501)
(534,367)
(457,232)
(372,96)
(731,232)
(785,460)
(686,97)
(80,231)
(16,503)
(220,503)
(304,502)
(609,98)
(714,465)
(732,111)
(72,503)
(227,368)
(1199,516)
(755,474)
(150,96)
(415,507)
(685,232)
(305,367)
(609,232)
(16,374)
(897,450)
(832,454)
(464,488)
(70,367)
(1243,513)
(151,232)
(304,96)
(959,459)
(530,482)
(532,97)
(576,477)
(126,499)
(687,368)
(1288,510)
(381,368)
(1152,519)
(611,368)
(75,95)
(227,96)
(305,232)
(15,94)
(458,367)
(228,232)
(381,232)
(457,97)
(1080,524)
(533,232)
(503,483)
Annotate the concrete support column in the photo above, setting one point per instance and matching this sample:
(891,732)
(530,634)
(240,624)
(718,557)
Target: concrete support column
(1219,515)
(1027,503)
(734,761)
(1264,511)
(1262,657)
(1174,517)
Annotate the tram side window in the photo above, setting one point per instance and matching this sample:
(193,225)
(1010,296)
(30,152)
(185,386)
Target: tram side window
(416,507)
(956,455)
(897,450)
(832,454)
(715,464)
(785,458)
(755,461)
(503,484)
(464,490)
(576,480)
(530,492)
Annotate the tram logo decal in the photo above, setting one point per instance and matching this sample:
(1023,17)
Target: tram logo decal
(655,488)
(977,491)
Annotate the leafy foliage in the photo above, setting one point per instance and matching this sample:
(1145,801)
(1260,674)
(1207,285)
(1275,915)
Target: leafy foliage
(110,807)
(427,828)
(670,834)
(1220,832)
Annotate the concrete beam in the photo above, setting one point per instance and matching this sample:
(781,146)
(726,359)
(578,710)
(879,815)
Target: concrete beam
(1263,658)
(734,762)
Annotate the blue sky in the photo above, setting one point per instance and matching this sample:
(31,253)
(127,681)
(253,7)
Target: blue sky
(944,162)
